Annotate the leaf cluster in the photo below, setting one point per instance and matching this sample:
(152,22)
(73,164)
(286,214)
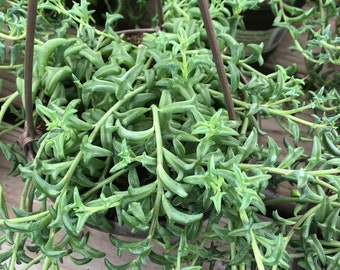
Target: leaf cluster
(318,21)
(140,136)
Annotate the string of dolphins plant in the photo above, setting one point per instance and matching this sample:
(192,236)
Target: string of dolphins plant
(141,135)
(319,21)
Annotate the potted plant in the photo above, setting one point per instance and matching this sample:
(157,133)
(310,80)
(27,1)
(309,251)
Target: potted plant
(140,136)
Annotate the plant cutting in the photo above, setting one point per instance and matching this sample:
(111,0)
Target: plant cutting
(141,136)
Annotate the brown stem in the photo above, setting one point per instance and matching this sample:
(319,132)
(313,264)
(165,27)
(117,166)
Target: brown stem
(160,13)
(29,132)
(208,24)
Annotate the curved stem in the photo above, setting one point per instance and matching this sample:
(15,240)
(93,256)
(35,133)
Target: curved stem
(25,219)
(33,261)
(11,66)
(19,236)
(159,152)
(13,38)
(7,103)
(102,183)
(247,166)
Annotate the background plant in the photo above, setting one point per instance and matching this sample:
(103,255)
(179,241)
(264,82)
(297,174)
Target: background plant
(142,132)
(318,20)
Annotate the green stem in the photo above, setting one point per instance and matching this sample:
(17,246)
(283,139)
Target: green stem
(25,219)
(297,119)
(335,244)
(102,183)
(159,152)
(284,113)
(287,112)
(232,247)
(301,220)
(13,38)
(257,254)
(326,251)
(246,166)
(15,250)
(181,12)
(245,125)
(12,127)
(47,264)
(33,261)
(184,66)
(287,200)
(19,236)
(325,184)
(11,66)
(6,105)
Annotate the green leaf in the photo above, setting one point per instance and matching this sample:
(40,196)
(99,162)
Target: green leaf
(254,107)
(180,106)
(317,247)
(217,200)
(52,253)
(134,135)
(273,251)
(56,76)
(3,206)
(330,228)
(177,163)
(235,49)
(126,81)
(295,130)
(136,194)
(43,186)
(47,48)
(55,169)
(197,179)
(170,184)
(256,54)
(32,225)
(97,86)
(203,148)
(179,216)
(281,220)
(234,76)
(111,19)
(161,260)
(273,152)
(141,248)
(4,255)
(293,155)
(94,57)
(250,144)
(90,151)
(133,222)
(81,246)
(135,209)
(131,116)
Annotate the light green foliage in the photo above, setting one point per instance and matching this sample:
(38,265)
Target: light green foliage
(141,133)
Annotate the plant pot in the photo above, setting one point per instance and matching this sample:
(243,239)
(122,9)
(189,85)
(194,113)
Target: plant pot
(259,28)
(136,14)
